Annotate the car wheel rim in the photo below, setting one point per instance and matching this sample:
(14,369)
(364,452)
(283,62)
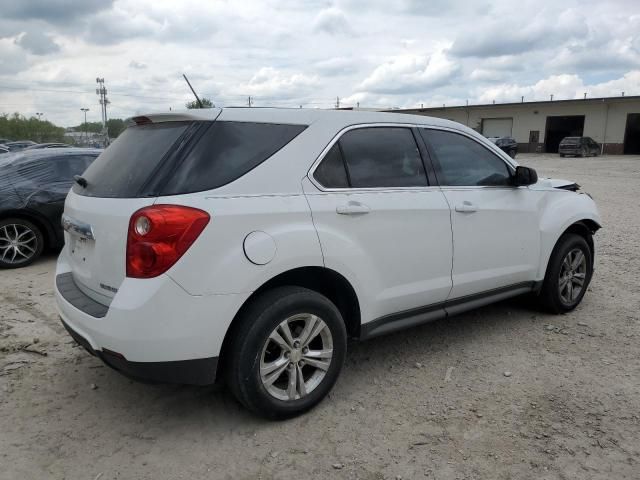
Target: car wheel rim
(573,275)
(18,243)
(296,357)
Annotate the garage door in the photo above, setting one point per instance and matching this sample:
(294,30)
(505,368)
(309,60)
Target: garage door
(497,127)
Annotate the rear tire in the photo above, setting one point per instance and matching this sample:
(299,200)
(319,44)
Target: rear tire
(286,352)
(568,274)
(21,242)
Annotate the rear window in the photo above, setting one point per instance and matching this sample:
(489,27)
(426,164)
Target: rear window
(227,151)
(122,170)
(182,157)
(570,141)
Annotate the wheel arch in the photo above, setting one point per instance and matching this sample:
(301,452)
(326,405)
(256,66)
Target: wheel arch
(323,280)
(584,227)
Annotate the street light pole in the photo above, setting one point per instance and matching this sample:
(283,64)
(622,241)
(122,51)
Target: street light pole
(39,115)
(85,110)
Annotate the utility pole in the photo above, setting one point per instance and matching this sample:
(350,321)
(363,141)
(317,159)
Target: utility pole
(85,110)
(249,100)
(39,114)
(102,92)
(337,102)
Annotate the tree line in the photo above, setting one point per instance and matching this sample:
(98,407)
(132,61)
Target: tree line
(18,127)
(115,126)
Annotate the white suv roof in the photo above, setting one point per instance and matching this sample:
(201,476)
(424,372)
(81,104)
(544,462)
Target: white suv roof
(300,116)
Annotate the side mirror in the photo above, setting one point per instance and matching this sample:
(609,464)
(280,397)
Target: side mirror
(524,176)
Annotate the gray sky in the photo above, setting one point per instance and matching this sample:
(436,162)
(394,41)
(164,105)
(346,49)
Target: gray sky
(381,53)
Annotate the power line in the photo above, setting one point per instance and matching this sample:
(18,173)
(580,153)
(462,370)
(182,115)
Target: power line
(51,90)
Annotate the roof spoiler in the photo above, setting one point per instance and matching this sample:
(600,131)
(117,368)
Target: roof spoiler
(209,114)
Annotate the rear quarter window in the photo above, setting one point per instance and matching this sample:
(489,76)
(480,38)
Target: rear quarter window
(226,152)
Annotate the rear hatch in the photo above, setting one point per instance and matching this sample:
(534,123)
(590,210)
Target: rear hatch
(159,156)
(123,179)
(570,143)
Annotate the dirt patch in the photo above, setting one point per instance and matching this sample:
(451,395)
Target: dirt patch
(503,392)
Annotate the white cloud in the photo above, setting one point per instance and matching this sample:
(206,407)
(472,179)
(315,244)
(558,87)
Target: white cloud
(408,73)
(137,65)
(376,52)
(561,87)
(272,83)
(332,20)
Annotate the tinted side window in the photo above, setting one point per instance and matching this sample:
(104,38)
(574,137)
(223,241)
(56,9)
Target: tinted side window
(67,167)
(227,151)
(331,172)
(383,157)
(464,162)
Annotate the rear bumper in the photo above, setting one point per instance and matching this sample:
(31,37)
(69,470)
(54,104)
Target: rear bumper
(201,371)
(570,151)
(152,329)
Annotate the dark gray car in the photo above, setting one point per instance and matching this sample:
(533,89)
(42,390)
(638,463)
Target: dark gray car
(578,146)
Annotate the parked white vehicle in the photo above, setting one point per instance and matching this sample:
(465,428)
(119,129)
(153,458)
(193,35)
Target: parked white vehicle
(249,244)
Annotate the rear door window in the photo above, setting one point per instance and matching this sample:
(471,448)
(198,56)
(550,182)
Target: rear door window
(382,157)
(227,151)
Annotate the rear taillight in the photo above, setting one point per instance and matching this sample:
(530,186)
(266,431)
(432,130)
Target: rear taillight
(159,235)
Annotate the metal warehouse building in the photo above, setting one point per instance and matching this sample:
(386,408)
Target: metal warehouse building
(614,122)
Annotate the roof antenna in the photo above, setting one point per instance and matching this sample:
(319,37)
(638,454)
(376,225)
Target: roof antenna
(194,92)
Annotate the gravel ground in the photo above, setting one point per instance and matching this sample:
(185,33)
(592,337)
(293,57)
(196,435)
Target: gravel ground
(502,392)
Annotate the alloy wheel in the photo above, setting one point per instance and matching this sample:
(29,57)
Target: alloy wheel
(573,274)
(18,243)
(296,356)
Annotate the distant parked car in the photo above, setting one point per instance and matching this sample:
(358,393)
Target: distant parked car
(39,146)
(506,144)
(33,187)
(19,145)
(578,146)
(4,149)
(4,140)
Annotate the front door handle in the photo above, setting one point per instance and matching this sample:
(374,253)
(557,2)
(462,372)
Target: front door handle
(352,208)
(466,207)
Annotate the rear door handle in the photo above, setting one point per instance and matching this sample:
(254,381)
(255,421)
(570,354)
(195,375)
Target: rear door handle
(352,208)
(466,207)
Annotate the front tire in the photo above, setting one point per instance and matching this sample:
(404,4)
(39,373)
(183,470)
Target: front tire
(568,274)
(21,242)
(287,352)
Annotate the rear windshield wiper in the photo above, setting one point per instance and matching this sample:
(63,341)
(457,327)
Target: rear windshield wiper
(80,181)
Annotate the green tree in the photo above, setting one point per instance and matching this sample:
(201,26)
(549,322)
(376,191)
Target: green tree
(115,126)
(90,127)
(206,103)
(19,127)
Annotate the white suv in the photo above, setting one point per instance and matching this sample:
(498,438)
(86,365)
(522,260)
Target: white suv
(249,244)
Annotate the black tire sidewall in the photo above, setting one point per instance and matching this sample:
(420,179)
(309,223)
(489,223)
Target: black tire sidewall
(39,242)
(276,307)
(566,243)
